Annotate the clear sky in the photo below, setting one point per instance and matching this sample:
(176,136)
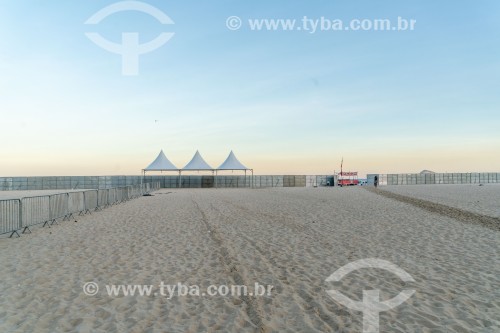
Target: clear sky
(286,102)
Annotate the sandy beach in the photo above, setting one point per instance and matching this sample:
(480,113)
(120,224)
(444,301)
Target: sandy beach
(291,239)
(471,197)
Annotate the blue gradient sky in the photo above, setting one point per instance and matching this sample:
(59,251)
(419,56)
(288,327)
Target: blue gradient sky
(284,101)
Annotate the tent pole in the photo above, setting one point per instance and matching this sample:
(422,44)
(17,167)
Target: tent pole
(180,179)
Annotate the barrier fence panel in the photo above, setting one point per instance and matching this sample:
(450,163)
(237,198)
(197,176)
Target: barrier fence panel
(169,181)
(118,195)
(191,182)
(35,210)
(277,181)
(76,202)
(316,181)
(436,178)
(58,206)
(494,178)
(90,200)
(75,182)
(123,192)
(102,198)
(10,216)
(111,196)
(16,214)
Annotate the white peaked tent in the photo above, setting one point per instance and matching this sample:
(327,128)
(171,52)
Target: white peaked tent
(232,163)
(161,163)
(197,163)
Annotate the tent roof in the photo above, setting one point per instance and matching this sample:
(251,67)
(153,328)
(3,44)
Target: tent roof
(161,163)
(197,163)
(232,163)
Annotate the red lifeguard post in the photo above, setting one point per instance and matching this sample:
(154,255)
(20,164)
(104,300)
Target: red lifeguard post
(347,178)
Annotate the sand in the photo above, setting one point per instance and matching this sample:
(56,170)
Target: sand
(474,198)
(291,238)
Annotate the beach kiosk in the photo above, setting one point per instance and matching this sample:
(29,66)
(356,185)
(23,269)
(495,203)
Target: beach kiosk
(348,178)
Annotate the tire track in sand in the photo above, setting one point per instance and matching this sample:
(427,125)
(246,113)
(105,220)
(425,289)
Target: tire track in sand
(489,222)
(308,230)
(231,265)
(308,301)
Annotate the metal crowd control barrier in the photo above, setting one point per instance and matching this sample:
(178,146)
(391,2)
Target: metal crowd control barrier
(76,204)
(111,196)
(102,199)
(17,214)
(434,178)
(58,206)
(120,195)
(90,199)
(35,210)
(188,181)
(10,216)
